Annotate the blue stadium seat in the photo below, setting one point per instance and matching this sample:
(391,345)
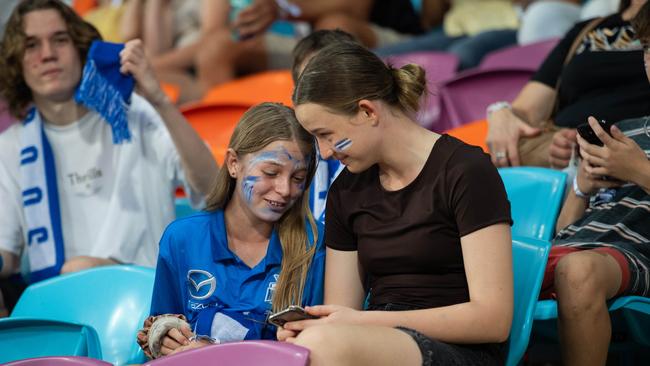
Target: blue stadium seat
(535,196)
(27,338)
(529,260)
(114,300)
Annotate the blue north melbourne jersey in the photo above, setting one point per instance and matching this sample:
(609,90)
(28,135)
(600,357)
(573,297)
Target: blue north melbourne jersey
(197,275)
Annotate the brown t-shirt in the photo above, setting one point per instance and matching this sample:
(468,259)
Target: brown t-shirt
(409,240)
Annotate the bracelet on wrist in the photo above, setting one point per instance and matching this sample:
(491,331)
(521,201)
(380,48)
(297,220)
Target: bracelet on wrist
(497,106)
(577,190)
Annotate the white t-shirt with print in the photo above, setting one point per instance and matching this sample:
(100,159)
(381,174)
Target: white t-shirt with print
(115,200)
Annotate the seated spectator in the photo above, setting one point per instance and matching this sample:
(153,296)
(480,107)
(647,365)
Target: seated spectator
(602,248)
(427,225)
(546,19)
(234,43)
(257,248)
(87,195)
(596,69)
(327,169)
(471,29)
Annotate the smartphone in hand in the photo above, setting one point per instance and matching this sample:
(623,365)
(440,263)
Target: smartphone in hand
(290,314)
(586,132)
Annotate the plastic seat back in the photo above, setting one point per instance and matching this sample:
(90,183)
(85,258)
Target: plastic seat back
(114,300)
(248,353)
(268,86)
(473,133)
(59,361)
(215,124)
(465,97)
(528,57)
(535,196)
(529,260)
(26,338)
(439,67)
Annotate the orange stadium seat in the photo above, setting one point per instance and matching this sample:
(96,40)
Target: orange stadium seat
(215,124)
(84,6)
(268,86)
(473,133)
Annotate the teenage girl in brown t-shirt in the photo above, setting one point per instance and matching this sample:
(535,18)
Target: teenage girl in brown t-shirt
(423,217)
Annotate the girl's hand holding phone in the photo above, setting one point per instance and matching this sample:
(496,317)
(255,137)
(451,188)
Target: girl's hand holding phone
(619,157)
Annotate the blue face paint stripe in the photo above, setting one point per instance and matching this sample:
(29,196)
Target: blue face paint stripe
(343,144)
(247,187)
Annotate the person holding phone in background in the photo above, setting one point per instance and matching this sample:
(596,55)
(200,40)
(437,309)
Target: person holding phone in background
(601,77)
(423,217)
(256,250)
(602,249)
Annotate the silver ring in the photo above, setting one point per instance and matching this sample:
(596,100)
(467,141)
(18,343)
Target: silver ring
(500,154)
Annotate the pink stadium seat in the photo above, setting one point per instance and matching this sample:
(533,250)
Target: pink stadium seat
(248,353)
(465,97)
(439,67)
(59,361)
(528,57)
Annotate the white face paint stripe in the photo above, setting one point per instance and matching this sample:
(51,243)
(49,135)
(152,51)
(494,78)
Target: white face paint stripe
(343,144)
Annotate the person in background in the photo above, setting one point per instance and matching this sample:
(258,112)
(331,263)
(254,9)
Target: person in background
(76,194)
(598,73)
(602,249)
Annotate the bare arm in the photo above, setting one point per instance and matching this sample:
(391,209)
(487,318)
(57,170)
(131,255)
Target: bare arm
(198,164)
(131,23)
(532,106)
(9,263)
(343,279)
(158,27)
(573,209)
(486,317)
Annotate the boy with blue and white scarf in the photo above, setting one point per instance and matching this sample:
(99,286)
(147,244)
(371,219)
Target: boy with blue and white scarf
(88,177)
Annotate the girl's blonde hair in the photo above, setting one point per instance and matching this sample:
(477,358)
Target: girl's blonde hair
(258,127)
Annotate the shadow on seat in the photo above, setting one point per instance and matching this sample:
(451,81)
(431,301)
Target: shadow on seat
(535,196)
(59,361)
(529,260)
(248,353)
(114,300)
(26,338)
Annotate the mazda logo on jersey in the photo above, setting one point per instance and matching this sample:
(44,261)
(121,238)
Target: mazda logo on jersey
(201,284)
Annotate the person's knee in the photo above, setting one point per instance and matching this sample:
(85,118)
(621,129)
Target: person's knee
(324,342)
(579,281)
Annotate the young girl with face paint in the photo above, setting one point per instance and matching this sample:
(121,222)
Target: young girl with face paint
(419,219)
(256,250)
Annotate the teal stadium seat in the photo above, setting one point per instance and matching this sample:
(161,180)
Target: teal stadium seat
(114,300)
(529,260)
(535,196)
(27,338)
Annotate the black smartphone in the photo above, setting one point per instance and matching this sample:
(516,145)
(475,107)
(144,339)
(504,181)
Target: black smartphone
(586,132)
(290,314)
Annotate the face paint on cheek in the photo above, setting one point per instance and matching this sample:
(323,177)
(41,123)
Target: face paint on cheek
(247,187)
(342,145)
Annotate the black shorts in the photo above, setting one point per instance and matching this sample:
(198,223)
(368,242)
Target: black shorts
(440,353)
